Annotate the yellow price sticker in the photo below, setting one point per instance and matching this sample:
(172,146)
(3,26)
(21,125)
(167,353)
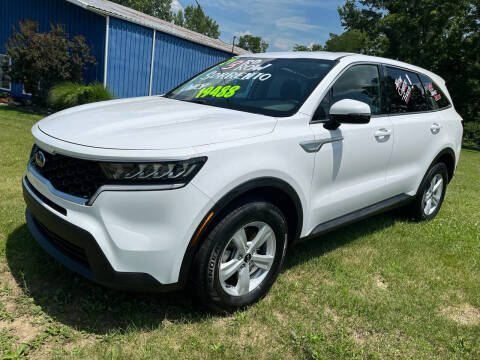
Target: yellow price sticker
(219,91)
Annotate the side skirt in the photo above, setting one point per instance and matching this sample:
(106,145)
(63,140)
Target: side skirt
(357,215)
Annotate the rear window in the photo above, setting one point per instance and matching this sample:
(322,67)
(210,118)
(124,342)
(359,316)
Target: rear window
(436,99)
(405,92)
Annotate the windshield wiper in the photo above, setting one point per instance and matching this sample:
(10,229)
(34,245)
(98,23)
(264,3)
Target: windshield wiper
(198,101)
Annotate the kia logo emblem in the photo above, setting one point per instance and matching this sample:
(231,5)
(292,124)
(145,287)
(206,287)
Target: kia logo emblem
(40,159)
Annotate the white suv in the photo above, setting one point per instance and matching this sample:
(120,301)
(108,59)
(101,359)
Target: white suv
(208,184)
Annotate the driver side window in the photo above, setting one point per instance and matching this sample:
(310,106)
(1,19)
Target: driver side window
(359,82)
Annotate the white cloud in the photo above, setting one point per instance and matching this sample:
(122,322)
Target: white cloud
(242,33)
(176,6)
(284,44)
(282,23)
(296,23)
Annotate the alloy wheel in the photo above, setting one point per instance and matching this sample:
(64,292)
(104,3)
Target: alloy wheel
(247,258)
(433,195)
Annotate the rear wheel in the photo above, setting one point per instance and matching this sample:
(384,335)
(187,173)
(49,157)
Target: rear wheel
(431,193)
(241,257)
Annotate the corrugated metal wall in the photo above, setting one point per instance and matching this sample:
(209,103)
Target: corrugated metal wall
(129,48)
(129,58)
(176,60)
(77,21)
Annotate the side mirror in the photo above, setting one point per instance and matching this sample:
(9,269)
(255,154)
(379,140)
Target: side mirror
(348,111)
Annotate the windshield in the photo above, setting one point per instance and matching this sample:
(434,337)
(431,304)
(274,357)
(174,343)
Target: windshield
(275,87)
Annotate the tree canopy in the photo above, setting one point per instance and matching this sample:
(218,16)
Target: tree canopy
(157,8)
(42,60)
(441,36)
(355,41)
(194,18)
(312,47)
(254,44)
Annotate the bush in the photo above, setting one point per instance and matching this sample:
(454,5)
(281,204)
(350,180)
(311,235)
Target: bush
(471,134)
(70,94)
(41,60)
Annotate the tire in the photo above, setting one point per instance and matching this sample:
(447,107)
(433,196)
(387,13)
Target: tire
(419,208)
(222,253)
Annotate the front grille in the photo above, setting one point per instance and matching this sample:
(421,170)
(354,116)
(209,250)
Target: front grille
(72,176)
(71,250)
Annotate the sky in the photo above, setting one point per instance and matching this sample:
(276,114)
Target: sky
(282,23)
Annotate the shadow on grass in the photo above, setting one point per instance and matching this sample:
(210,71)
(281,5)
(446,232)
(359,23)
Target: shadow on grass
(321,245)
(471,147)
(84,305)
(26,109)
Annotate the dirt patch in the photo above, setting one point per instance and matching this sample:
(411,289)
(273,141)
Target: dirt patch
(464,314)
(280,316)
(11,295)
(359,337)
(380,282)
(22,328)
(331,314)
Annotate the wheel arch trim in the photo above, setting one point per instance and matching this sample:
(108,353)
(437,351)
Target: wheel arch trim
(446,151)
(235,193)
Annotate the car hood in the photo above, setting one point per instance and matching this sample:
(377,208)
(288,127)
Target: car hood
(153,123)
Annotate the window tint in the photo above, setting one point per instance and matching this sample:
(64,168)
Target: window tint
(405,92)
(436,99)
(360,82)
(268,86)
(4,79)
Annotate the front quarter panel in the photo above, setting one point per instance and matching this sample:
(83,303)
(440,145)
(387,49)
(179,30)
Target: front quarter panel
(277,155)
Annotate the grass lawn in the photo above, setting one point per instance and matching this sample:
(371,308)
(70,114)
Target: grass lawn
(383,288)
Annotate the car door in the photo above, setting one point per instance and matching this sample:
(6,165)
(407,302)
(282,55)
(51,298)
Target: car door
(350,168)
(414,126)
(444,121)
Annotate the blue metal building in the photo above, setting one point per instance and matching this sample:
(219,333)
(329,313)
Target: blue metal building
(136,54)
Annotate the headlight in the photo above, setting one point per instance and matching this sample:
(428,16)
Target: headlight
(174,172)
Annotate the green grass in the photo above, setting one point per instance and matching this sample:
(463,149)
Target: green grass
(383,288)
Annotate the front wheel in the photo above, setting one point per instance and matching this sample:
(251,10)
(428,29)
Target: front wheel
(241,257)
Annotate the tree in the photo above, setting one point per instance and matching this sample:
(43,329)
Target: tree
(251,43)
(312,47)
(158,8)
(442,36)
(354,41)
(41,60)
(193,18)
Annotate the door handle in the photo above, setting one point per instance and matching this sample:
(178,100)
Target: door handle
(311,146)
(382,133)
(435,128)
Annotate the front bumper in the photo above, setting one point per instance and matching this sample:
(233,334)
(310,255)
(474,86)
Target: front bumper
(112,242)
